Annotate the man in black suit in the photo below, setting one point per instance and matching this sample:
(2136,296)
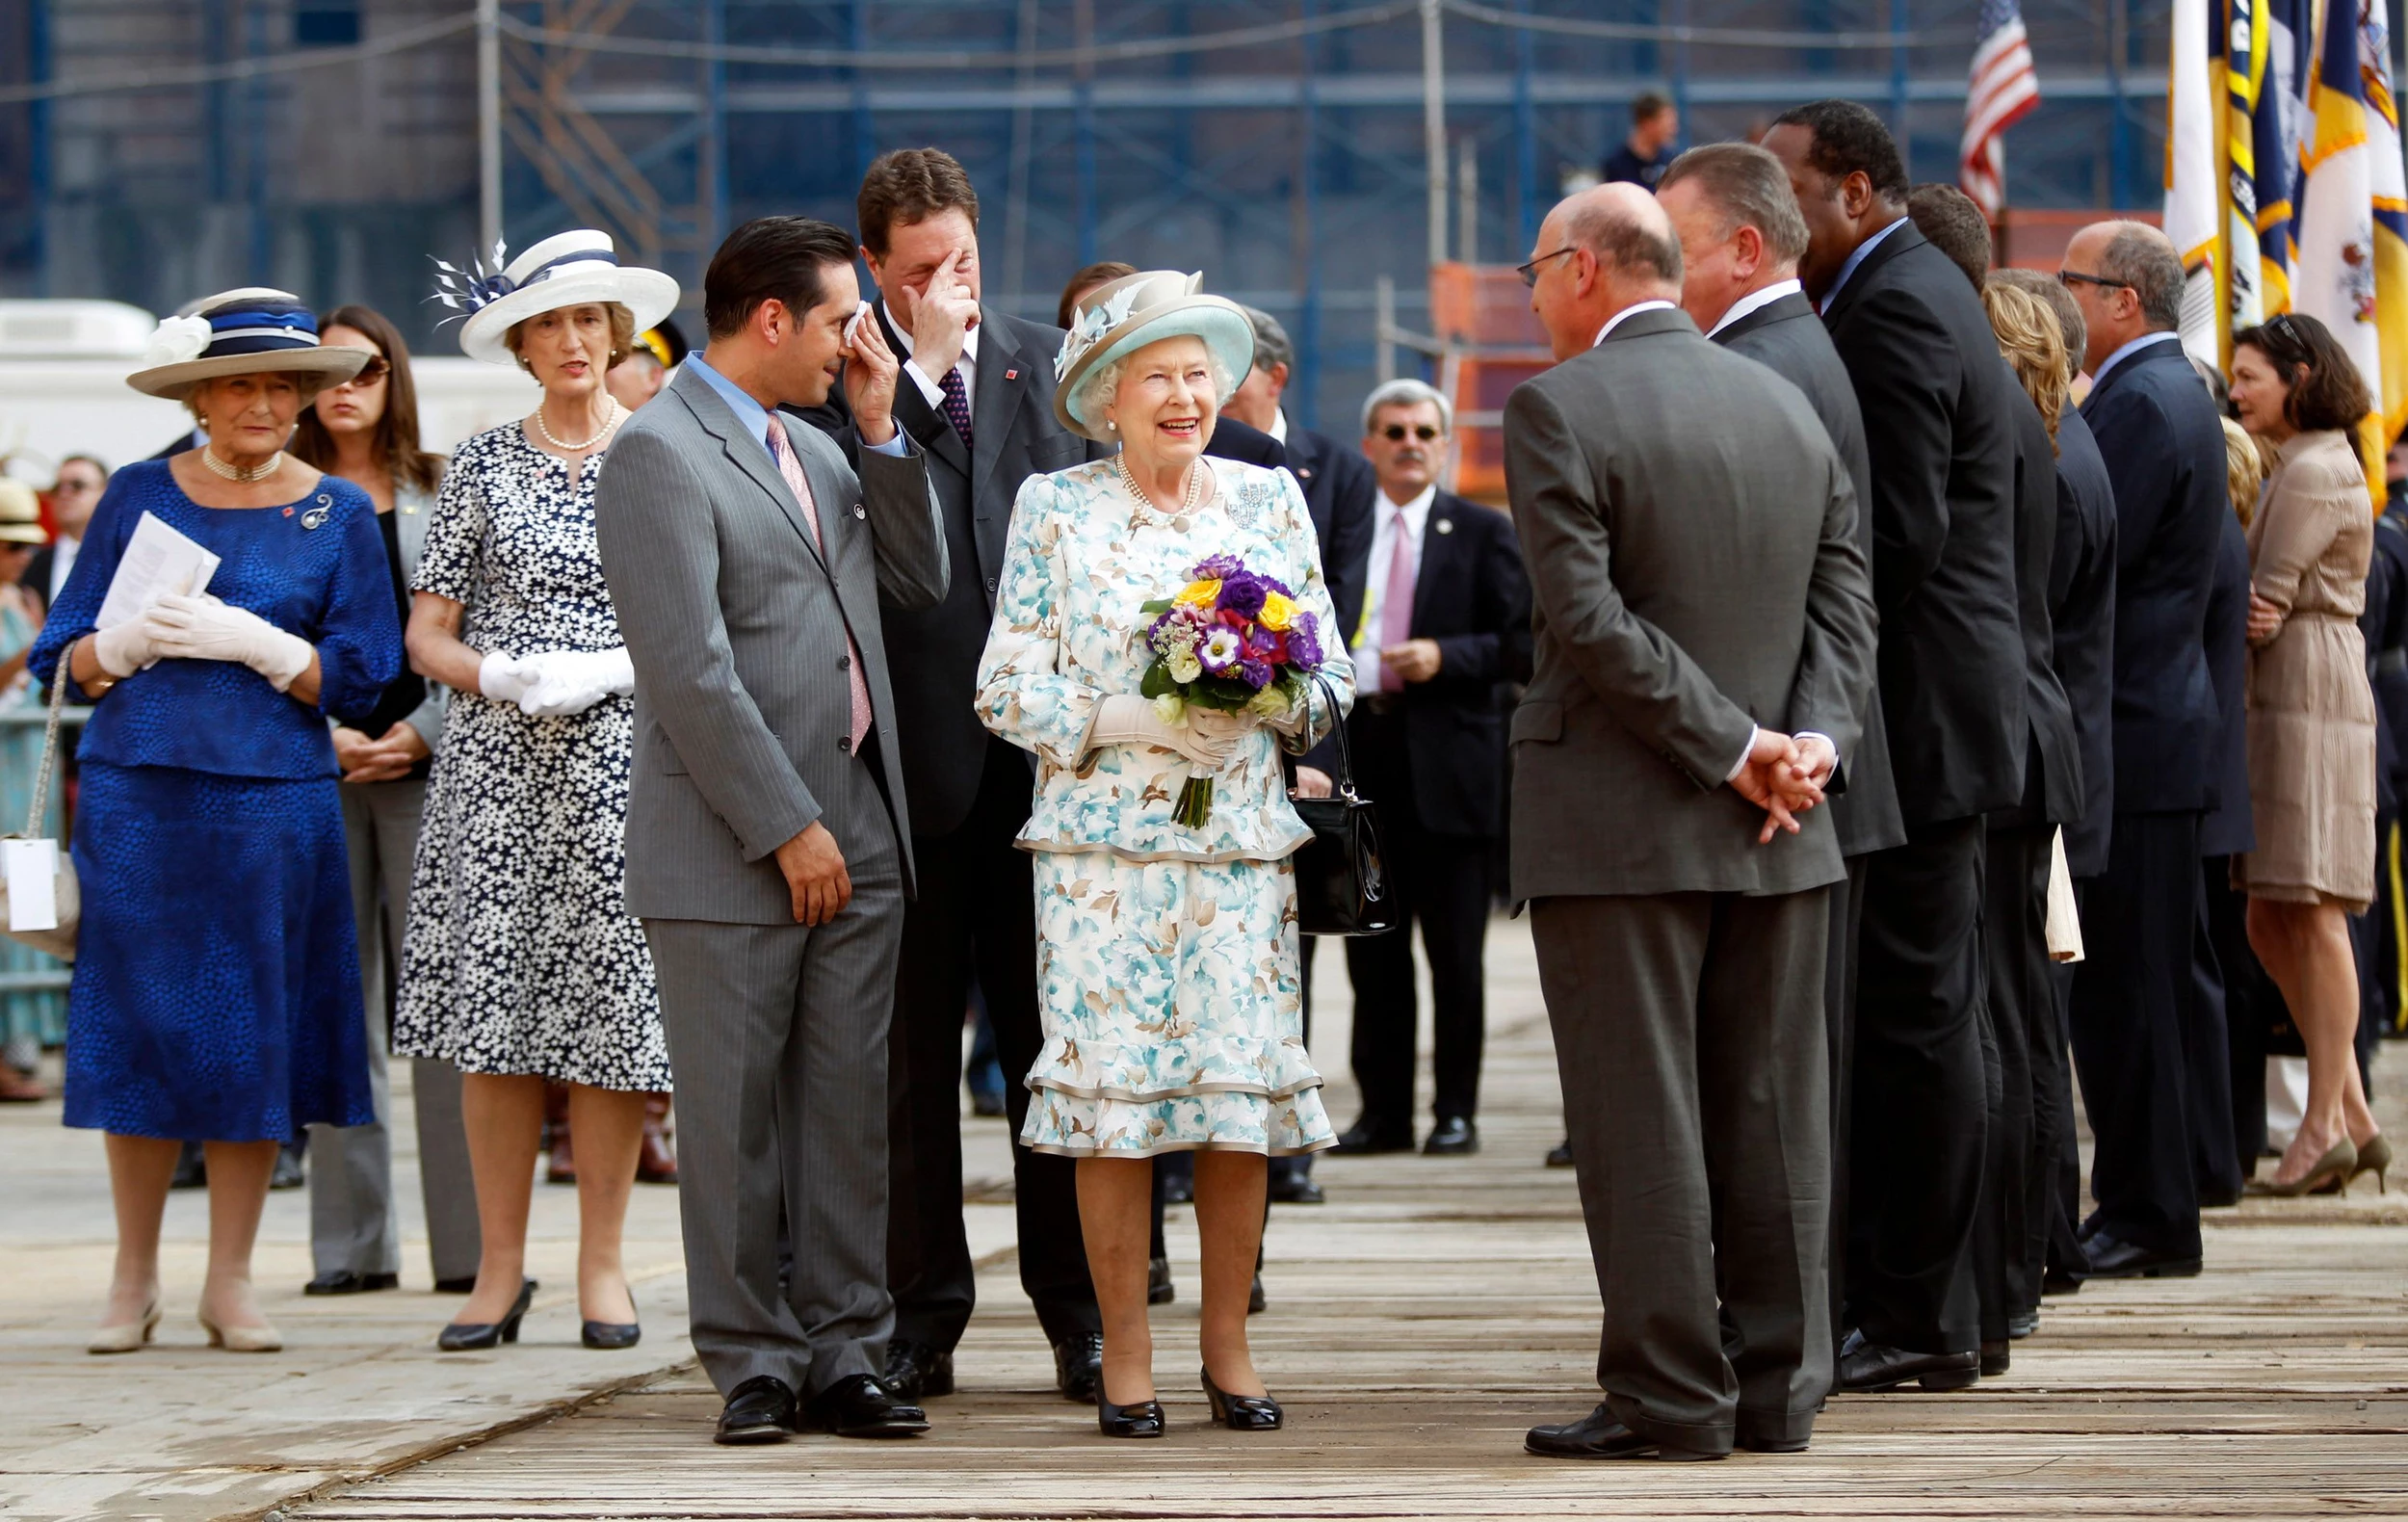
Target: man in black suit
(2135,1012)
(978,395)
(1449,621)
(73,495)
(1937,426)
(2082,627)
(1339,486)
(1740,240)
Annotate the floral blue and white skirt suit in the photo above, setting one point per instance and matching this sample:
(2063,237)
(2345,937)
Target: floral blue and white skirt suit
(1167,967)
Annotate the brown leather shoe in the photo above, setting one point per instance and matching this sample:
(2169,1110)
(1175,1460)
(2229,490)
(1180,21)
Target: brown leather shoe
(657,1162)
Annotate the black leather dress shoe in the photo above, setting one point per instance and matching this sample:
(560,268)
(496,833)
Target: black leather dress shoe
(1079,1366)
(860,1407)
(1254,1300)
(611,1336)
(1454,1136)
(1144,1419)
(480,1336)
(1296,1188)
(759,1410)
(1159,1290)
(342,1281)
(1561,1154)
(917,1372)
(462,1285)
(2113,1258)
(1870,1367)
(1371,1135)
(1600,1435)
(1995,1358)
(2056,1281)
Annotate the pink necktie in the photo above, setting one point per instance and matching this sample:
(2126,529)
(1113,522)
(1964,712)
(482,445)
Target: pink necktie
(791,468)
(1395,604)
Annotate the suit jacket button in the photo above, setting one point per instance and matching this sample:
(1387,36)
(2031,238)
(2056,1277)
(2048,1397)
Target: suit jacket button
(844,743)
(991,584)
(844,663)
(860,511)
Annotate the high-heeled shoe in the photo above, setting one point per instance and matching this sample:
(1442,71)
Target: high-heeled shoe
(127,1336)
(2375,1156)
(1242,1413)
(478,1336)
(611,1336)
(262,1338)
(2336,1165)
(1140,1419)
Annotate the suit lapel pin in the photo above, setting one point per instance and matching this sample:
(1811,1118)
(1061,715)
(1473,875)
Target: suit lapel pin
(1444,525)
(1011,375)
(860,511)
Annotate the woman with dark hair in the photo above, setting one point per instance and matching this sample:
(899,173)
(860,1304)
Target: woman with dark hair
(365,431)
(2312,743)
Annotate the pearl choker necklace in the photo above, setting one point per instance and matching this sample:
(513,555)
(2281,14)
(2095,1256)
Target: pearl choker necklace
(609,421)
(217,466)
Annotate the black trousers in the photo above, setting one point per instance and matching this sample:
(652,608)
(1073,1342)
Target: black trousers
(1443,884)
(2246,1007)
(1917,1109)
(975,916)
(2134,1005)
(2018,1012)
(1839,1028)
(2219,981)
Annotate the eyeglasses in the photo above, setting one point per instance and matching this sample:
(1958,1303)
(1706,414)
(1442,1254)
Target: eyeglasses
(2077,278)
(1395,432)
(373,370)
(1529,272)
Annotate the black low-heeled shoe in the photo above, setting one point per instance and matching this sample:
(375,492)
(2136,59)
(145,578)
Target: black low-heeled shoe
(478,1336)
(1242,1413)
(1143,1419)
(611,1336)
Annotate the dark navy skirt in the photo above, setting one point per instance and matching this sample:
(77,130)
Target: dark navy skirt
(216,972)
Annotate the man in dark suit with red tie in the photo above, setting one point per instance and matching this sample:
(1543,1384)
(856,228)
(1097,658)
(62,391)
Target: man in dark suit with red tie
(1446,619)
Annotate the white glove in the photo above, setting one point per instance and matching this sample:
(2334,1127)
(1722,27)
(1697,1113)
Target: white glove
(572,681)
(503,678)
(1206,737)
(205,629)
(125,648)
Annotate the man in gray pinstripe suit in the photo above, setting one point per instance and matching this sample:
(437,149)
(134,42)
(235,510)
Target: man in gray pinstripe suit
(768,848)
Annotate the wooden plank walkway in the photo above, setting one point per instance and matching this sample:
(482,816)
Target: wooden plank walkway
(1436,1307)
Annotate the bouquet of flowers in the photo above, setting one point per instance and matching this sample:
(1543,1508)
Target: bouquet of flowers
(1232,641)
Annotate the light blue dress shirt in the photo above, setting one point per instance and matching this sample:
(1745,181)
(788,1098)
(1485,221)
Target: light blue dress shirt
(755,417)
(2126,351)
(1847,268)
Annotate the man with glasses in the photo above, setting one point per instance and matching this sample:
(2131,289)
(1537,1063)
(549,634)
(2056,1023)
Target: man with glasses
(1446,620)
(2136,1019)
(81,479)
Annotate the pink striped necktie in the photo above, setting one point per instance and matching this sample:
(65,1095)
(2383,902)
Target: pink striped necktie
(782,450)
(1396,602)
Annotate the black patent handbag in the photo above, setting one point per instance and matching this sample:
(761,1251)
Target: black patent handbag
(1342,885)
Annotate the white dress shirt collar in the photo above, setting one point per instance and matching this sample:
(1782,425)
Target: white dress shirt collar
(1624,315)
(932,387)
(1757,301)
(1279,424)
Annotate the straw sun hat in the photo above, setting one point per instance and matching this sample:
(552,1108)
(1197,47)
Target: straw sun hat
(568,268)
(1120,317)
(250,331)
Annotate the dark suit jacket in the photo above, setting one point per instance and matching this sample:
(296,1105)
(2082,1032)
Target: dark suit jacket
(1787,337)
(1242,441)
(1924,363)
(935,652)
(1341,491)
(37,577)
(1690,535)
(2082,627)
(2388,647)
(2229,826)
(1472,596)
(2157,432)
(2055,795)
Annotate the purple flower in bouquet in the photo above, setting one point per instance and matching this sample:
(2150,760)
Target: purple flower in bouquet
(1241,592)
(1256,674)
(1221,652)
(1305,642)
(1220,567)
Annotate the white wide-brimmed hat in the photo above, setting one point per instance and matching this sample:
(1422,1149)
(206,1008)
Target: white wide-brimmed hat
(250,330)
(568,268)
(1120,317)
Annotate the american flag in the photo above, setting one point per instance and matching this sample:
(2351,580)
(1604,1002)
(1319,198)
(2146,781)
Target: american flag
(2001,91)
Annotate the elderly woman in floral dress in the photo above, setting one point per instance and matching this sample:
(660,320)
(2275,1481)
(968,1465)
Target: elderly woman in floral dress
(1167,955)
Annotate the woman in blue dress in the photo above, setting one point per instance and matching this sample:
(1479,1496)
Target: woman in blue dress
(217,978)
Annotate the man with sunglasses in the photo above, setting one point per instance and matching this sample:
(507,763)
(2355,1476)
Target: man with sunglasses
(81,479)
(1446,620)
(2135,1017)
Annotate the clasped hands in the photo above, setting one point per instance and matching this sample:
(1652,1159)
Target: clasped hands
(551,684)
(202,628)
(1784,775)
(1205,736)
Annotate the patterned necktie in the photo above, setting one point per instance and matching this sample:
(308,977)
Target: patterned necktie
(1396,603)
(957,403)
(791,468)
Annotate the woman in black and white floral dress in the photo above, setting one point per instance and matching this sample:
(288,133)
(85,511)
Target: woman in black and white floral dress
(522,962)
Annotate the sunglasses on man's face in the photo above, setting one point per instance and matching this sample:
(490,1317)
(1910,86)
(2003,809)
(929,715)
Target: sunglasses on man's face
(373,370)
(1395,432)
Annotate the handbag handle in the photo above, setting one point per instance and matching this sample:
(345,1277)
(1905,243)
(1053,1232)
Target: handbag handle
(1337,732)
(50,746)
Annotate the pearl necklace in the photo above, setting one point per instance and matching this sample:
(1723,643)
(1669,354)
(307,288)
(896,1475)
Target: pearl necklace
(1187,505)
(217,466)
(609,421)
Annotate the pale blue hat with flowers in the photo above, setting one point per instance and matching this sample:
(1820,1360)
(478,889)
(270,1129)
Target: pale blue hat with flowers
(1120,317)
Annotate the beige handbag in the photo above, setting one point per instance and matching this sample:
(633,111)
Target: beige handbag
(2064,916)
(59,941)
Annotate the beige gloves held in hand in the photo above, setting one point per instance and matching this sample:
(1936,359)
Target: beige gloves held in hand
(1205,736)
(205,629)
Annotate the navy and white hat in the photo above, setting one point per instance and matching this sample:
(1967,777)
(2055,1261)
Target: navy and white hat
(253,330)
(568,268)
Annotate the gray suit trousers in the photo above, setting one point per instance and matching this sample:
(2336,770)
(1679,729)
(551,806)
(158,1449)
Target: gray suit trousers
(352,1220)
(777,1039)
(1689,1035)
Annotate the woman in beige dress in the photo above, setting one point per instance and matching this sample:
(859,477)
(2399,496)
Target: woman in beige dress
(2311,725)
